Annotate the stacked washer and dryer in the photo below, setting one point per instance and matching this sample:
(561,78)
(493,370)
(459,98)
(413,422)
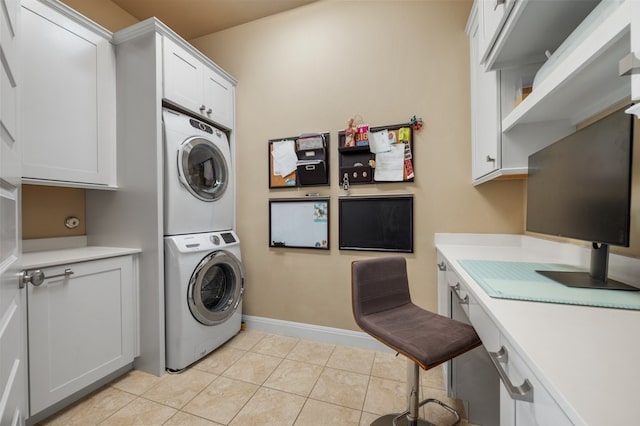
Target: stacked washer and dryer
(204,275)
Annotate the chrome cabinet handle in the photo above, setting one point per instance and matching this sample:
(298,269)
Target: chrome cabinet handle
(37,277)
(490,159)
(523,392)
(202,108)
(461,301)
(209,111)
(442,266)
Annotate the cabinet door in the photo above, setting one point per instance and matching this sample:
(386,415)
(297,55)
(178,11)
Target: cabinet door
(493,14)
(183,77)
(485,117)
(218,98)
(13,308)
(635,47)
(507,408)
(81,327)
(68,99)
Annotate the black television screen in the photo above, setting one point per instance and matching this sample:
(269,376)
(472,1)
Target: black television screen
(580,186)
(377,223)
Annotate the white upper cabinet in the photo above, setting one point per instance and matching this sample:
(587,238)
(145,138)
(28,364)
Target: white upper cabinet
(485,108)
(531,28)
(218,98)
(495,153)
(582,77)
(191,84)
(492,15)
(575,64)
(68,98)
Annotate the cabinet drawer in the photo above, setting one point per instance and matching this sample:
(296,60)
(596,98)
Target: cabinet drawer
(485,327)
(459,291)
(542,410)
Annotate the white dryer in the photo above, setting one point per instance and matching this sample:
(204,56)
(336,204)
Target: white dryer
(204,284)
(198,176)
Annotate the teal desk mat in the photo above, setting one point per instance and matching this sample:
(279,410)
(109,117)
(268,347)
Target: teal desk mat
(520,281)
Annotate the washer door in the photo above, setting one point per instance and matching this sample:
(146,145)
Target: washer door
(202,169)
(216,287)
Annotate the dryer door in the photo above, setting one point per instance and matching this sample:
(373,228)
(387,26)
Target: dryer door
(202,169)
(216,287)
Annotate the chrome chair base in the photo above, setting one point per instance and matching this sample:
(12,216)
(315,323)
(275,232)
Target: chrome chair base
(402,419)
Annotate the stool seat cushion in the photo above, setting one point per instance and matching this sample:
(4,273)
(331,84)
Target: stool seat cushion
(427,338)
(382,307)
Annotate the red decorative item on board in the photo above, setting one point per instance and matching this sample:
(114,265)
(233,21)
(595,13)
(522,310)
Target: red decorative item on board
(416,123)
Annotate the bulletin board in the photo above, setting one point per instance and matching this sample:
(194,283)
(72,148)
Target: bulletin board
(293,156)
(299,222)
(360,164)
(276,180)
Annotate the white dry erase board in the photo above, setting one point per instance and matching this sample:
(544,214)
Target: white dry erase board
(299,222)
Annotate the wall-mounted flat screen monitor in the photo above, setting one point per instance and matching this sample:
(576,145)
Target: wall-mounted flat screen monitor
(376,223)
(580,187)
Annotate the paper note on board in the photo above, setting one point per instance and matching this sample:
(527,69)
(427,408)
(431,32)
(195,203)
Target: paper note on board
(379,141)
(284,158)
(390,165)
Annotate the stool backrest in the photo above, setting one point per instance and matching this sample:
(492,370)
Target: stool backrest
(378,284)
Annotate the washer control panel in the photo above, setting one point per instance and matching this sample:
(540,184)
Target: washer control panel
(204,242)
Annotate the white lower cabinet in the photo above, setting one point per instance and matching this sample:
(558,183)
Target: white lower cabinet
(539,408)
(82,327)
(524,401)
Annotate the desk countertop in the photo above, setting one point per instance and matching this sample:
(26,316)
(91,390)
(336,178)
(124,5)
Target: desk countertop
(588,358)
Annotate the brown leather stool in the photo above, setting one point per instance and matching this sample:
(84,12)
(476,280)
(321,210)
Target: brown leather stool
(382,307)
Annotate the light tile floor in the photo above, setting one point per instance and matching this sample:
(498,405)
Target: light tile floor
(263,379)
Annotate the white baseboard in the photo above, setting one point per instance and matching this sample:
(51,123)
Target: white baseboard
(316,333)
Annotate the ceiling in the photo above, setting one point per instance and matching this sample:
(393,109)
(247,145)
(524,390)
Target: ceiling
(195,18)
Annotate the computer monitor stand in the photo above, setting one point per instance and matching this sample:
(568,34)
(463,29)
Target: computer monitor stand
(595,278)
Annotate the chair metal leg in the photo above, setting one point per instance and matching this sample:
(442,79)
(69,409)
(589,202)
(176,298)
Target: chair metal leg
(411,416)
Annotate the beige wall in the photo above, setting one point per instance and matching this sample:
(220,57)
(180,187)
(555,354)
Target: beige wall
(104,12)
(45,208)
(311,69)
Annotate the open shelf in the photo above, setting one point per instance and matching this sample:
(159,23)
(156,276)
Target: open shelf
(586,81)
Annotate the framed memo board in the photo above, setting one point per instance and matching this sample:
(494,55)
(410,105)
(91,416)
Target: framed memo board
(376,223)
(299,161)
(299,222)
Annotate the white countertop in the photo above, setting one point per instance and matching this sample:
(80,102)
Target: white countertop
(588,358)
(42,259)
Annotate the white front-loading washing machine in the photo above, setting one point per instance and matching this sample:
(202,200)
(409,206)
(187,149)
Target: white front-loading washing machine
(204,285)
(198,176)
